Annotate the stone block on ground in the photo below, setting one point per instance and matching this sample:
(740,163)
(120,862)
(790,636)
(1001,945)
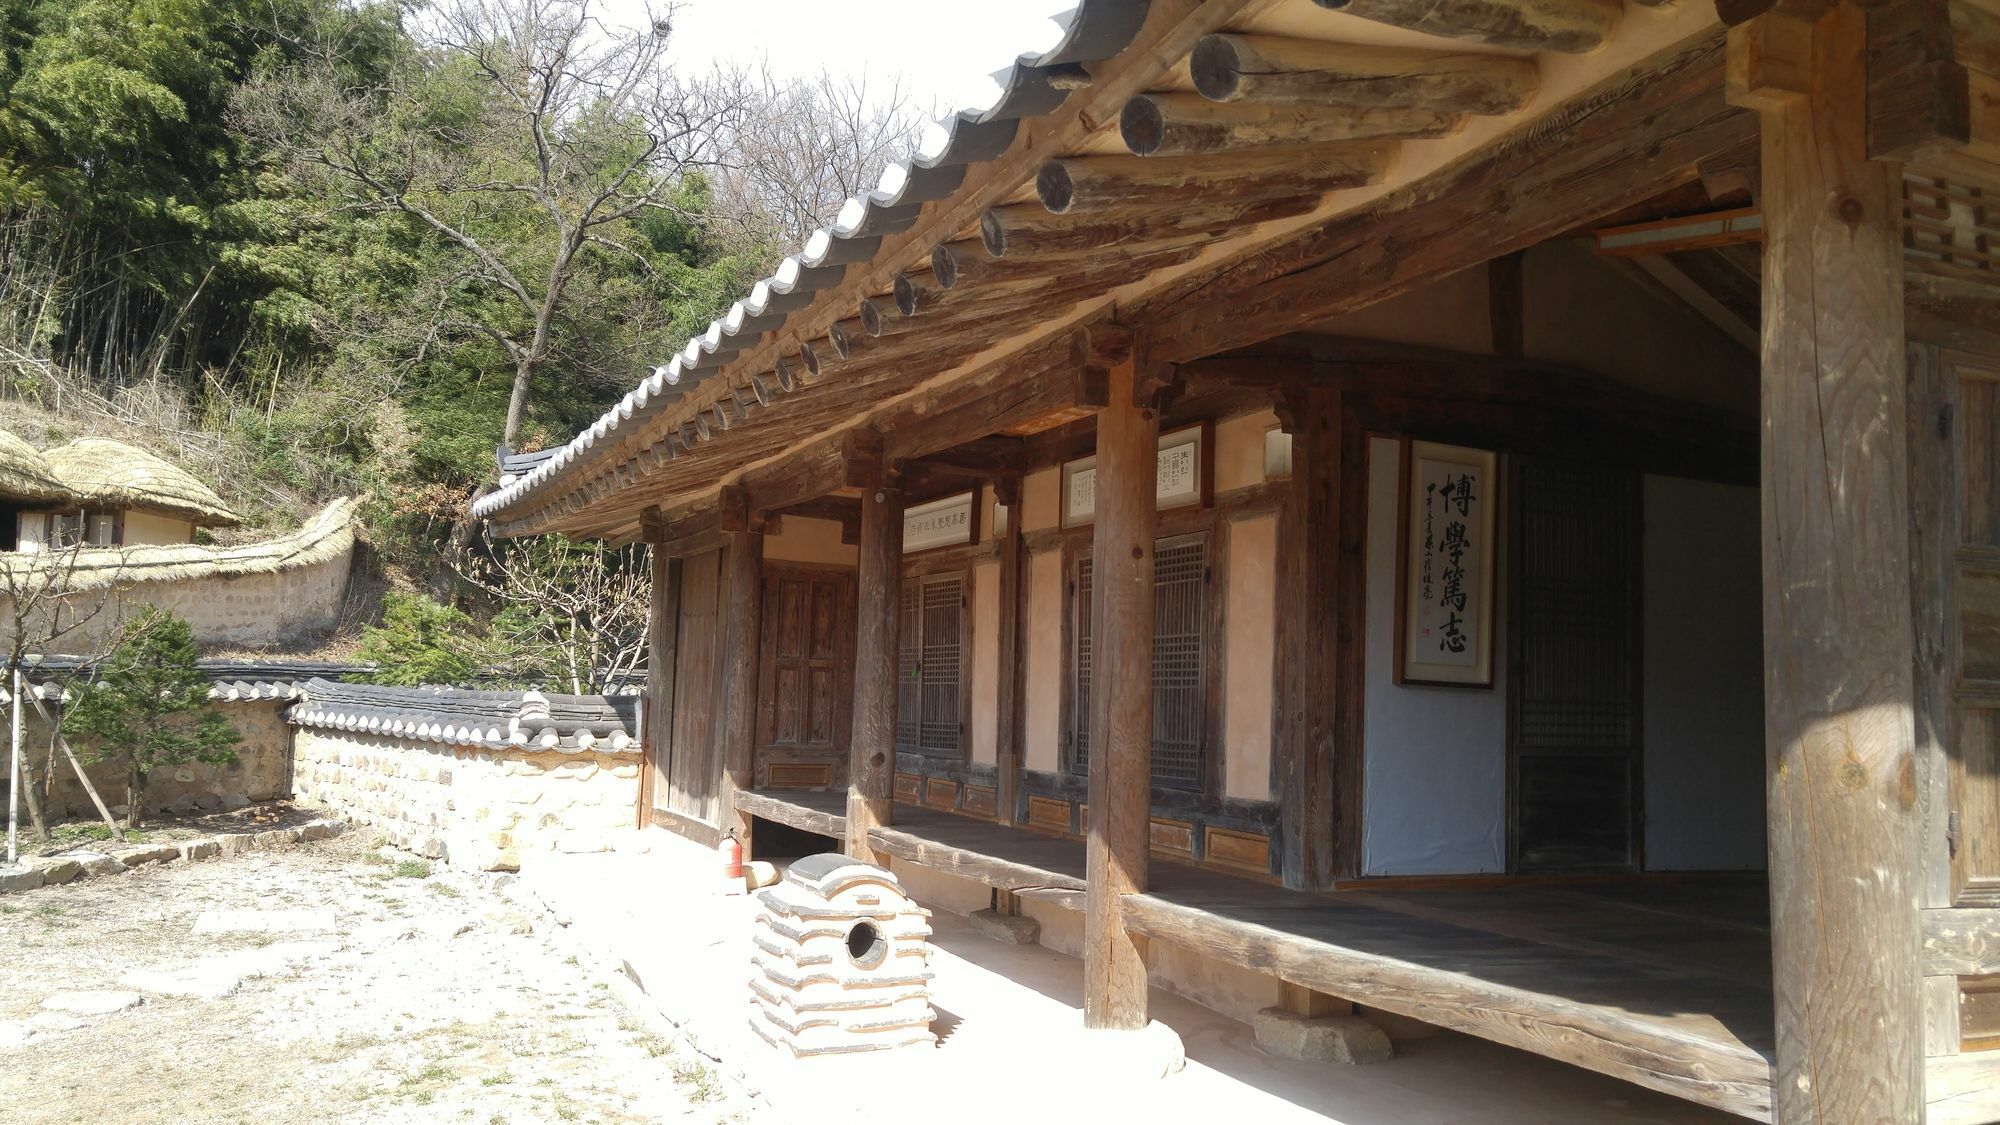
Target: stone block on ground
(1014,929)
(1341,1039)
(235,843)
(146,853)
(57,869)
(200,849)
(97,863)
(508,922)
(263,922)
(1148,1054)
(21,878)
(93,1002)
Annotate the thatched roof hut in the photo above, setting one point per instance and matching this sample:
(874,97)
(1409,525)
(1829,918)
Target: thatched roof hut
(25,475)
(109,473)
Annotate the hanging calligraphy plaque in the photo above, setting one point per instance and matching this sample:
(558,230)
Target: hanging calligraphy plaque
(1444,627)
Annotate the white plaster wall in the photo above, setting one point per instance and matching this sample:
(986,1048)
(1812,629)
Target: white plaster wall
(147,529)
(1704,701)
(1041,499)
(1239,449)
(1435,759)
(805,540)
(1248,661)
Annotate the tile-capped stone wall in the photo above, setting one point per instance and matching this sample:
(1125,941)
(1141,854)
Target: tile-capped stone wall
(480,807)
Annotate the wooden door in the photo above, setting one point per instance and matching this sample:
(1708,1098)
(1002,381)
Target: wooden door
(1955,482)
(692,781)
(805,695)
(1574,675)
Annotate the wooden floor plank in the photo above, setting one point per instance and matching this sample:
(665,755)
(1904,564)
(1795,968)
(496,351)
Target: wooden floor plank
(1665,984)
(809,810)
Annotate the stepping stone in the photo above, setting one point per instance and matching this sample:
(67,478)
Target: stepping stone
(14,879)
(147,853)
(264,922)
(58,869)
(101,1002)
(97,863)
(1013,929)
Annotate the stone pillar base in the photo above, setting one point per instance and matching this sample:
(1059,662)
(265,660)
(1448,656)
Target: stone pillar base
(1150,1053)
(1013,929)
(1341,1039)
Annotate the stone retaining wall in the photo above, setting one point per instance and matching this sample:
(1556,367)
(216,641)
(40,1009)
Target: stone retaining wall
(261,771)
(484,808)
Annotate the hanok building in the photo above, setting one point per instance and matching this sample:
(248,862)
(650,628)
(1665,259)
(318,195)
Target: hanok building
(1387,496)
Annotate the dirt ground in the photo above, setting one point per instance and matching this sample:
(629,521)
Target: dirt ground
(328,983)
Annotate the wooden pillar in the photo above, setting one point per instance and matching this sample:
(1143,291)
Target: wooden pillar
(1310,577)
(1007,708)
(871,766)
(742,627)
(1838,634)
(1121,703)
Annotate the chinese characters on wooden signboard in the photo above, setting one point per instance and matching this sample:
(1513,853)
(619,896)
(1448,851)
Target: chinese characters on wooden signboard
(1179,477)
(1445,613)
(940,523)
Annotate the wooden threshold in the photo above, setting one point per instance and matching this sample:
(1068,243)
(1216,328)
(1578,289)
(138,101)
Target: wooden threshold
(1665,985)
(819,811)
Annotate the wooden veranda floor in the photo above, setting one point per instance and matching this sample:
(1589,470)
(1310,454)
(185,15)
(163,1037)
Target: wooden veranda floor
(1660,981)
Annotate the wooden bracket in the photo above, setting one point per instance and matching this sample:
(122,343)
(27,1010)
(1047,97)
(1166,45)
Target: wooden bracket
(1007,490)
(1770,61)
(653,525)
(1919,97)
(1740,169)
(732,509)
(861,459)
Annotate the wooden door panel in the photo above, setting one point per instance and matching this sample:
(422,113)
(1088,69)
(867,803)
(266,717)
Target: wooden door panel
(1573,679)
(804,693)
(694,762)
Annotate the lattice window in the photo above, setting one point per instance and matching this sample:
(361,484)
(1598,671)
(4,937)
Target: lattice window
(931,666)
(909,668)
(1180,632)
(1950,229)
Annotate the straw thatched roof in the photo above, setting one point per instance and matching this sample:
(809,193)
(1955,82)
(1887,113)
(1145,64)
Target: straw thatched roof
(25,474)
(110,473)
(327,535)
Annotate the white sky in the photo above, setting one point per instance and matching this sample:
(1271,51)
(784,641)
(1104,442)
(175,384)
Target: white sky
(945,48)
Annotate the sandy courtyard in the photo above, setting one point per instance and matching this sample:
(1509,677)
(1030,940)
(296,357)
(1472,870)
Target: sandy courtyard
(327,983)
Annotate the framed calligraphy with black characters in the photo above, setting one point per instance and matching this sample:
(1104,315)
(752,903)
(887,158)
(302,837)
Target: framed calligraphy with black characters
(1444,603)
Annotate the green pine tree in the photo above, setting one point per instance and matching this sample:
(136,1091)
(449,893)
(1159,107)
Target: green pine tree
(148,705)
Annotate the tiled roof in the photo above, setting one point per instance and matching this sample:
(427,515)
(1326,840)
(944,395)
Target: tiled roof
(568,724)
(1035,84)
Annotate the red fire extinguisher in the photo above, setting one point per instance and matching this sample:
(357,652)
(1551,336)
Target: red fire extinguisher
(731,853)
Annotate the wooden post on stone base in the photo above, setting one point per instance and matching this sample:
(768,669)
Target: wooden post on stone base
(1839,647)
(872,749)
(1121,701)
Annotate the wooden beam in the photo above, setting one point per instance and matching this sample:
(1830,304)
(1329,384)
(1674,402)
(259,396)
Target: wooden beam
(1083,184)
(741,631)
(1845,823)
(1174,124)
(1121,702)
(1664,271)
(1538,1019)
(1280,71)
(1528,25)
(1919,100)
(1624,141)
(1028,230)
(872,748)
